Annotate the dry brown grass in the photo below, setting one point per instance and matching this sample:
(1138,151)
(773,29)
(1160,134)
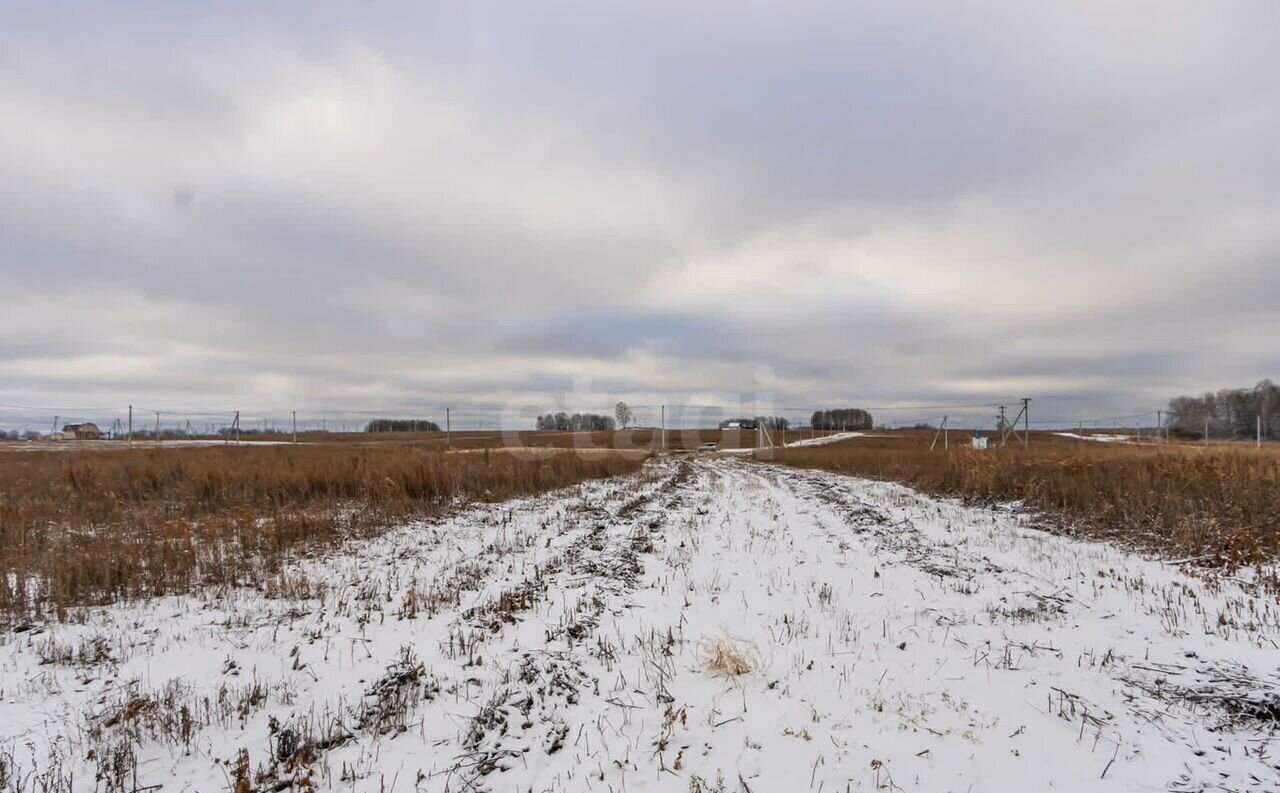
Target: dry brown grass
(88,528)
(727,657)
(1221,501)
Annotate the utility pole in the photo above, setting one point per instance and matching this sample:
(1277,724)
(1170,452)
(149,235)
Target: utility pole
(131,426)
(55,426)
(157,428)
(1259,430)
(942,430)
(1026,422)
(664,427)
(1159,424)
(1206,430)
(448,429)
(295,428)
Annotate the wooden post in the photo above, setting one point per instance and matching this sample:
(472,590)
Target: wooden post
(295,427)
(1026,422)
(448,429)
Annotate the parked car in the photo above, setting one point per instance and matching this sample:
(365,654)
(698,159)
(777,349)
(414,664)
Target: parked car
(708,447)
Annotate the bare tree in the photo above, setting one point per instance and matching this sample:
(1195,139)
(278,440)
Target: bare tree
(578,422)
(1229,413)
(622,412)
(842,419)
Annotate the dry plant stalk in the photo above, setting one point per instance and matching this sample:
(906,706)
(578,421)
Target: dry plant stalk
(727,657)
(94,527)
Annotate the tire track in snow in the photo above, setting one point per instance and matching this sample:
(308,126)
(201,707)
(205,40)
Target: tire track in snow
(883,640)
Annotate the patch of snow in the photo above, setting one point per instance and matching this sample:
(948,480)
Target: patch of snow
(708,618)
(1101,438)
(824,440)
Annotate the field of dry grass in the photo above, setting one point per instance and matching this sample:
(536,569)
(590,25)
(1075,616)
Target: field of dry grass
(643,438)
(82,528)
(1219,504)
(88,528)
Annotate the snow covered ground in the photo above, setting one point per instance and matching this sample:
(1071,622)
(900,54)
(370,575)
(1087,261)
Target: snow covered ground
(824,440)
(710,623)
(1099,437)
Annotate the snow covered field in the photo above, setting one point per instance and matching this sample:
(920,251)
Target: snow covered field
(826,439)
(710,623)
(1099,437)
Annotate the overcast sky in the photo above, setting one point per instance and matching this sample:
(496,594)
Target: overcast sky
(212,205)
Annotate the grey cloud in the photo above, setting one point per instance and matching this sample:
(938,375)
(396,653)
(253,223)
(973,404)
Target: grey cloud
(471,202)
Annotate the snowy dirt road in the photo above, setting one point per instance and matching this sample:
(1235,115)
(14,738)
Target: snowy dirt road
(707,624)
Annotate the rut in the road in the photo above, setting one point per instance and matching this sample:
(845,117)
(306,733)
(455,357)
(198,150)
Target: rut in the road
(530,709)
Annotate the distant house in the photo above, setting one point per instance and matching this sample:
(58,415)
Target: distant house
(87,431)
(738,424)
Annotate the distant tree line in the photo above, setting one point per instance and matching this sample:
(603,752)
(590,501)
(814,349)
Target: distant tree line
(224,431)
(14,435)
(842,419)
(401,425)
(1231,413)
(578,422)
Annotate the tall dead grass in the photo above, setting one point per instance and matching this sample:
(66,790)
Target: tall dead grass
(96,527)
(1220,502)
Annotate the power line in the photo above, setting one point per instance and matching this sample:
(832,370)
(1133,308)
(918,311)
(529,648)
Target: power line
(47,409)
(1089,420)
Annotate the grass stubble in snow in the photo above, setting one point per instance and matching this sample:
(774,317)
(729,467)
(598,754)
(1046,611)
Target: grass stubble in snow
(708,624)
(1216,505)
